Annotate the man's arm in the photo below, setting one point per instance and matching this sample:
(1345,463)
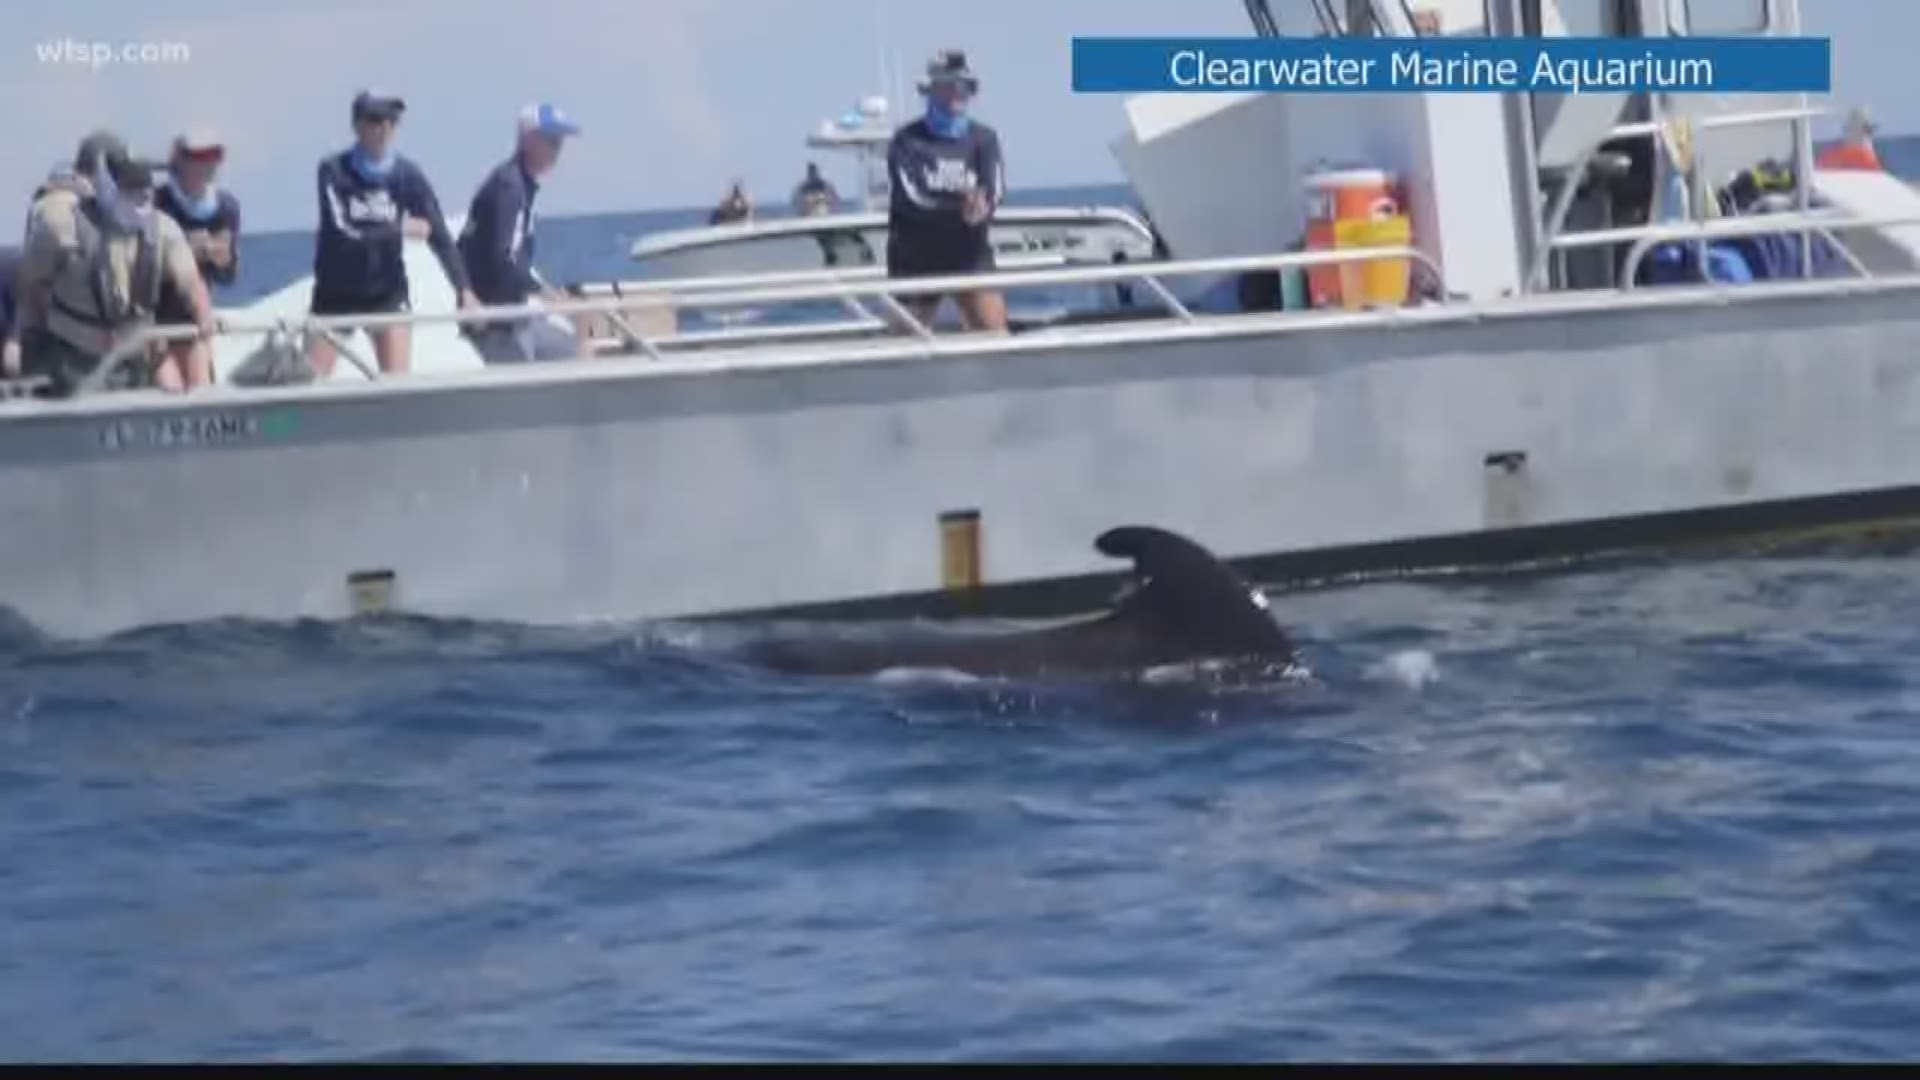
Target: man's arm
(183,273)
(993,171)
(10,319)
(50,242)
(499,208)
(426,206)
(225,256)
(522,268)
(29,309)
(990,167)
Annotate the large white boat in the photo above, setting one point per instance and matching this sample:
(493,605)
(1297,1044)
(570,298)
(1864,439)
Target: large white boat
(1544,402)
(1023,237)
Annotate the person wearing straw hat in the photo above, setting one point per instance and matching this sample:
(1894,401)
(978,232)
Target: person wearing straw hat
(948,178)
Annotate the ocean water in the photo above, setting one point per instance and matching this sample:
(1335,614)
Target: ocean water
(1648,809)
(1651,810)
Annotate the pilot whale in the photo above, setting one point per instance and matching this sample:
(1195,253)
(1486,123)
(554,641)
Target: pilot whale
(1181,605)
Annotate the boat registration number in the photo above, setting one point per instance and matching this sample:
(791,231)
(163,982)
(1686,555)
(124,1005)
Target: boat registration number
(212,429)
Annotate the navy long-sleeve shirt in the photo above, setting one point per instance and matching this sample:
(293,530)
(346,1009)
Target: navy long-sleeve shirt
(930,177)
(497,241)
(358,252)
(224,219)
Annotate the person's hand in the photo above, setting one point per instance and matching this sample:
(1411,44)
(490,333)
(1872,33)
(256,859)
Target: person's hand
(974,208)
(467,300)
(416,228)
(10,358)
(220,249)
(207,324)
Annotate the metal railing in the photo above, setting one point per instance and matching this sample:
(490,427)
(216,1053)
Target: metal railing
(663,290)
(1556,241)
(819,275)
(1824,222)
(885,291)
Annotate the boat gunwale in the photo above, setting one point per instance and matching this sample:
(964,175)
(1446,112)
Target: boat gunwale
(667,242)
(770,356)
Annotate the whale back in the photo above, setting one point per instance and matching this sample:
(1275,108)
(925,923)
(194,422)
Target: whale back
(1184,604)
(1189,595)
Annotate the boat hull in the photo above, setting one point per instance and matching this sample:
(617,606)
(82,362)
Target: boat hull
(782,479)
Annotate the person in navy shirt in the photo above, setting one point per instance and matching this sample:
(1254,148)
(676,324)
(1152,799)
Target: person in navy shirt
(947,179)
(497,241)
(209,215)
(371,199)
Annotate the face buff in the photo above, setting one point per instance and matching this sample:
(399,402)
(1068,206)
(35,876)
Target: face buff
(371,169)
(200,209)
(945,121)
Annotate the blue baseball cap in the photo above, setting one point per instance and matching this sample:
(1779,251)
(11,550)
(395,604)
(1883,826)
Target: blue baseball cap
(547,119)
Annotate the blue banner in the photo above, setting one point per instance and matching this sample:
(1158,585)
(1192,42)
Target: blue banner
(1460,65)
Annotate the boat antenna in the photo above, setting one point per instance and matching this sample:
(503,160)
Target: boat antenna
(880,47)
(888,72)
(1262,16)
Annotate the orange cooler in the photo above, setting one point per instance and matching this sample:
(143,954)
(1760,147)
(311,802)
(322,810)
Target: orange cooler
(1356,208)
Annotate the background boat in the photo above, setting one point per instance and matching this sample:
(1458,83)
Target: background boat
(854,235)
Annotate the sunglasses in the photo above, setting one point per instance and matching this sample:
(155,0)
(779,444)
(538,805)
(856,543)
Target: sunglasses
(212,156)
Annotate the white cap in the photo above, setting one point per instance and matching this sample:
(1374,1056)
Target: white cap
(548,120)
(198,138)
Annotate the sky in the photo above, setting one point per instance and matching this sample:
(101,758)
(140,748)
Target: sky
(677,97)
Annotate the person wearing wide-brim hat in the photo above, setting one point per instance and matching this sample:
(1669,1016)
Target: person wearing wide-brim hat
(947,178)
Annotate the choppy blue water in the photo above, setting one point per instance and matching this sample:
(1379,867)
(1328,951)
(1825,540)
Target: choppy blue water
(1658,810)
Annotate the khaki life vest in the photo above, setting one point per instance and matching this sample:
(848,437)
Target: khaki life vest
(105,288)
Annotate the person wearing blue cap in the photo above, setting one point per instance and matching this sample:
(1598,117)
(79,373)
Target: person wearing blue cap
(371,198)
(497,240)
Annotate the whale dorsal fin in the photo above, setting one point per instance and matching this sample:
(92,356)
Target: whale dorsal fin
(1186,588)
